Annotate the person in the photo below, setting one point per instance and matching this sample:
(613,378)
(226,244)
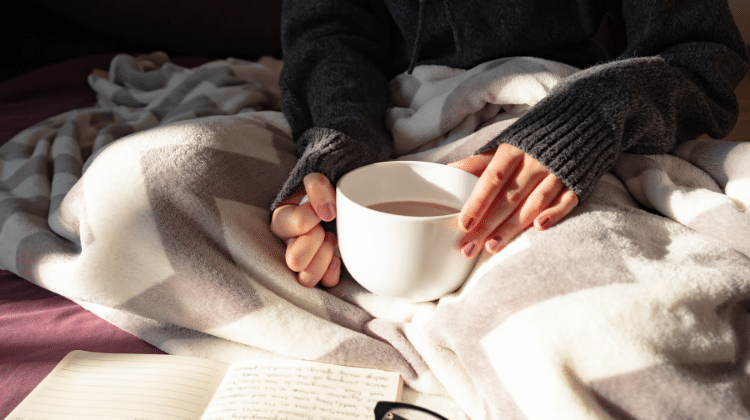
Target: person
(669,77)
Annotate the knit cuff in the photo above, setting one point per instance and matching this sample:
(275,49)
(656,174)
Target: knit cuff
(566,135)
(331,153)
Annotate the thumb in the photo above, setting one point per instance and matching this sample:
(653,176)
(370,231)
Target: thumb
(321,194)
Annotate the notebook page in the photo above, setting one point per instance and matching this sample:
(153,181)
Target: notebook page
(124,386)
(291,390)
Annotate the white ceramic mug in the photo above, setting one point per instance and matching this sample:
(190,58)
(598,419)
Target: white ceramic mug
(403,258)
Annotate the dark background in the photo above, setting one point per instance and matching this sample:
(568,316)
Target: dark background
(35,33)
(41,32)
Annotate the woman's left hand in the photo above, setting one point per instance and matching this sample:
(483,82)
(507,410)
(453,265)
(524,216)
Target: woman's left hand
(514,191)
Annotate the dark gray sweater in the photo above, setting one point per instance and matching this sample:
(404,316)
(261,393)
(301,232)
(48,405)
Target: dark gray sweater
(667,75)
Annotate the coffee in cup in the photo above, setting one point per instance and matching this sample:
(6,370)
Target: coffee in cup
(397,226)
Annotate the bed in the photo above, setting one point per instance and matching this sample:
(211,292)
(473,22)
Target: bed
(634,308)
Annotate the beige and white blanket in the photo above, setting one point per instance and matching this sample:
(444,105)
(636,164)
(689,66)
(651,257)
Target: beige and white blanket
(151,210)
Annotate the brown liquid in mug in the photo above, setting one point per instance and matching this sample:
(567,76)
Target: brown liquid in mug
(414,208)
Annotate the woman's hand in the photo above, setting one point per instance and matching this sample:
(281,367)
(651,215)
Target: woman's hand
(514,191)
(310,250)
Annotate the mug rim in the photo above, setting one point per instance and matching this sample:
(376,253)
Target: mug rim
(399,163)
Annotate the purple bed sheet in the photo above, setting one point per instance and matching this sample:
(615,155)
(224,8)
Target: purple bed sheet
(38,327)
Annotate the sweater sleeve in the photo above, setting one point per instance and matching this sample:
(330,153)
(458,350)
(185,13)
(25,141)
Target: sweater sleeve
(673,81)
(334,94)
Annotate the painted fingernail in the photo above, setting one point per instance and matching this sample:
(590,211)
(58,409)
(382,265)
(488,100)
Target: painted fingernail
(546,223)
(494,244)
(468,224)
(468,249)
(327,212)
(331,238)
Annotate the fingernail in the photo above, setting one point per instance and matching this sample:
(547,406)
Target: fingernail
(331,238)
(545,224)
(334,265)
(469,224)
(327,212)
(494,244)
(468,249)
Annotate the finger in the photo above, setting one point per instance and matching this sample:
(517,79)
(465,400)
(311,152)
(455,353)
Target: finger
(538,201)
(291,220)
(519,198)
(333,274)
(294,199)
(499,171)
(300,251)
(565,203)
(514,196)
(474,164)
(321,194)
(527,179)
(319,264)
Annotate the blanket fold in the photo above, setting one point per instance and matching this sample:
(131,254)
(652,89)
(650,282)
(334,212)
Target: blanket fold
(150,210)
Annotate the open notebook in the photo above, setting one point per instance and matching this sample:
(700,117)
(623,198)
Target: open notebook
(155,387)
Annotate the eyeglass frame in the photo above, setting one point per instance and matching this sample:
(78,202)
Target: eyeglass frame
(383,407)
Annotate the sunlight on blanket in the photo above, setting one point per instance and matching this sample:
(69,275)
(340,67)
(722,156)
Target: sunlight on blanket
(672,314)
(115,178)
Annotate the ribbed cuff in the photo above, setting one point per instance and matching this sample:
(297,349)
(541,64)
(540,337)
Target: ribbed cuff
(333,154)
(566,135)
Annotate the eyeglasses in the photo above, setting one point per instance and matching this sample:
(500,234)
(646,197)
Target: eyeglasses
(386,410)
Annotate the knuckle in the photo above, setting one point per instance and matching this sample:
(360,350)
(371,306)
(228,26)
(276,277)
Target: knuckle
(514,196)
(494,178)
(567,201)
(280,220)
(544,197)
(536,202)
(296,223)
(318,234)
(299,221)
(293,260)
(307,279)
(317,269)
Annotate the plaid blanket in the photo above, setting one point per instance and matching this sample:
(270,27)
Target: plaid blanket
(150,209)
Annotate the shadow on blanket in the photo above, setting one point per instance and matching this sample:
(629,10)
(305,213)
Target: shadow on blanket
(150,210)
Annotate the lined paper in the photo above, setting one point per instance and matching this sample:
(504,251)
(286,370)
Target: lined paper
(301,391)
(88,385)
(124,386)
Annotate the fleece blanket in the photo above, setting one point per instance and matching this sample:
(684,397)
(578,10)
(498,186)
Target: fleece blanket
(151,210)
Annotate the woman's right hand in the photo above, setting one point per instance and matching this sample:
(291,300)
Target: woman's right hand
(309,249)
